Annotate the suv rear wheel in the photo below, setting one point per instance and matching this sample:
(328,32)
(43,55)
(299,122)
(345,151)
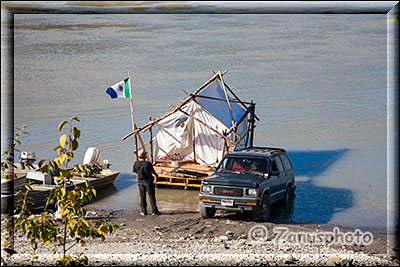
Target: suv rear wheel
(288,194)
(206,213)
(261,213)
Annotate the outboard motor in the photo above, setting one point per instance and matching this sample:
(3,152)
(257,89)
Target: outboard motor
(93,158)
(26,159)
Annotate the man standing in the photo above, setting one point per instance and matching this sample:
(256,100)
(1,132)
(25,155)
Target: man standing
(144,174)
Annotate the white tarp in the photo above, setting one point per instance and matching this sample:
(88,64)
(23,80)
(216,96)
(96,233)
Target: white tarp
(174,139)
(183,138)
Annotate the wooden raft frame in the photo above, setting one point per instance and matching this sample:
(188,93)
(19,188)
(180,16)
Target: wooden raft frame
(190,174)
(187,174)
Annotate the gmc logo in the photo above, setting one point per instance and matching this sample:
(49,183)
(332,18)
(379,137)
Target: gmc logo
(227,191)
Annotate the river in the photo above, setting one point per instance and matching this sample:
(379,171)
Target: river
(319,82)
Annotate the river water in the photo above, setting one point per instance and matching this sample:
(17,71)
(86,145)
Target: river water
(318,80)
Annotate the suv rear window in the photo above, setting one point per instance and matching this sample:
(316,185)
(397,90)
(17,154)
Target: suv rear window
(256,166)
(286,162)
(277,164)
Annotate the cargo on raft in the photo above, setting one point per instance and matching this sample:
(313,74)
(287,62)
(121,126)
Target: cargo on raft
(194,135)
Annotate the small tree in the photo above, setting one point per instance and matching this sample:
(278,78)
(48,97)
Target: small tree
(72,228)
(8,155)
(7,233)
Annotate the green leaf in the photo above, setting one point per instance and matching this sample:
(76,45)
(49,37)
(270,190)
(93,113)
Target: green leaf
(41,162)
(77,133)
(34,244)
(69,156)
(74,145)
(102,229)
(85,223)
(75,118)
(94,192)
(79,168)
(54,164)
(61,125)
(62,192)
(60,159)
(63,138)
(25,227)
(45,169)
(73,224)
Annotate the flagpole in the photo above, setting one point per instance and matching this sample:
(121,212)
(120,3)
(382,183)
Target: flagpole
(132,116)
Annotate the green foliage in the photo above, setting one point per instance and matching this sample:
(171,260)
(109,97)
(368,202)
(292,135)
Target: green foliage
(72,229)
(8,154)
(7,161)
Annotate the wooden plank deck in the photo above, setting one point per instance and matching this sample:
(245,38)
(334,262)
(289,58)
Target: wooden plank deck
(187,174)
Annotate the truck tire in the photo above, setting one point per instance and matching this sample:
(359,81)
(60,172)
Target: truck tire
(261,213)
(288,194)
(206,213)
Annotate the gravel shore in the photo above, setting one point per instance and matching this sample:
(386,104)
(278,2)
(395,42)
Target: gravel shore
(183,238)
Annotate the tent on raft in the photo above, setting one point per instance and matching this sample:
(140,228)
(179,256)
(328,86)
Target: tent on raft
(202,128)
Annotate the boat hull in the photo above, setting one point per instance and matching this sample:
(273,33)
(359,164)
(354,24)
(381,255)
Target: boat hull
(38,196)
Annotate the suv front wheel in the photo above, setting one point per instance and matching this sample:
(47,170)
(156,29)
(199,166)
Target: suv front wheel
(261,213)
(206,213)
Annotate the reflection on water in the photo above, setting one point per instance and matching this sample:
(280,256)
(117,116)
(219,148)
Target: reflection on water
(314,163)
(282,212)
(312,204)
(124,195)
(177,199)
(315,203)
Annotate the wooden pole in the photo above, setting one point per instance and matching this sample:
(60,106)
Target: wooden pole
(132,115)
(215,98)
(212,115)
(243,136)
(141,141)
(226,149)
(151,142)
(252,120)
(227,97)
(194,142)
(240,101)
(134,124)
(140,147)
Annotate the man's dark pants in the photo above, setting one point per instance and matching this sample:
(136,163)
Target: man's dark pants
(147,186)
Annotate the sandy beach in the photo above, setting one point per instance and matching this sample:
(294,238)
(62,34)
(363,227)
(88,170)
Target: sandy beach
(184,239)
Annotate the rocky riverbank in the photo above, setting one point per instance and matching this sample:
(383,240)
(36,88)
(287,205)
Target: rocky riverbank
(183,238)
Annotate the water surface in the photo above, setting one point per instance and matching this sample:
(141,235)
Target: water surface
(319,82)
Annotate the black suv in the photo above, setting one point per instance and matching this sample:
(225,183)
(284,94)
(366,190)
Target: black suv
(248,180)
